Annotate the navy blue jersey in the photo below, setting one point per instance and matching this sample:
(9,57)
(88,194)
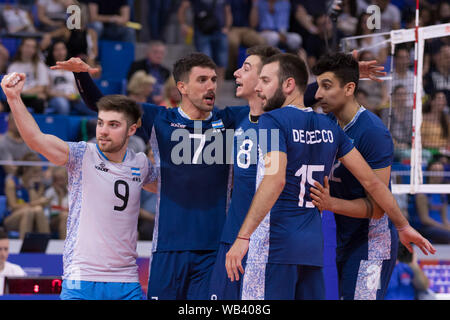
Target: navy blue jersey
(373,140)
(291,233)
(192,161)
(245,159)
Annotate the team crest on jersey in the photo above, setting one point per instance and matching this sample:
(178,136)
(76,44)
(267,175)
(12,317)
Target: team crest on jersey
(218,126)
(136,174)
(102,167)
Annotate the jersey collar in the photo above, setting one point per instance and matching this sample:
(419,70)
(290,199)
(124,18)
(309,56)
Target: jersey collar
(103,155)
(184,115)
(355,118)
(307,109)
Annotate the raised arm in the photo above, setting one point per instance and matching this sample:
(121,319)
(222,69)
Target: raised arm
(50,146)
(89,91)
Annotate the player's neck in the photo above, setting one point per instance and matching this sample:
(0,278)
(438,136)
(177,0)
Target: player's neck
(193,112)
(255,105)
(347,113)
(296,99)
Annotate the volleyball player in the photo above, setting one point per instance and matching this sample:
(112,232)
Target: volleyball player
(105,181)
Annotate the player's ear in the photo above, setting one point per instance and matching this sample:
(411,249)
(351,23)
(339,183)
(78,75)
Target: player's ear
(132,129)
(181,85)
(350,89)
(289,85)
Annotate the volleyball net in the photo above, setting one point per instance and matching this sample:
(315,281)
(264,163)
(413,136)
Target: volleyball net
(413,102)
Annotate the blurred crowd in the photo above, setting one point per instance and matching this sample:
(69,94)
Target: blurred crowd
(36,198)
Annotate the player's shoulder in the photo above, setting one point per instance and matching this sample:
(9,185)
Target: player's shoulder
(150,108)
(371,124)
(232,113)
(368,118)
(133,158)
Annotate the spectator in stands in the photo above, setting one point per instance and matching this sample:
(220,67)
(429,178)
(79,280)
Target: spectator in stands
(347,21)
(402,73)
(212,22)
(408,281)
(158,16)
(443,12)
(4,58)
(438,79)
(52,14)
(390,15)
(140,86)
(378,92)
(274,24)
(17,19)
(26,201)
(400,123)
(58,206)
(12,146)
(27,60)
(243,31)
(304,11)
(318,44)
(432,209)
(62,89)
(152,65)
(171,95)
(109,18)
(436,123)
(372,41)
(81,43)
(7,269)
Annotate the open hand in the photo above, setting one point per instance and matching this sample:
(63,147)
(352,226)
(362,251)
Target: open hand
(74,65)
(369,69)
(408,235)
(234,256)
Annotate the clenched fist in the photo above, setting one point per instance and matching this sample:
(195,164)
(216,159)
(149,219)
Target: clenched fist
(12,84)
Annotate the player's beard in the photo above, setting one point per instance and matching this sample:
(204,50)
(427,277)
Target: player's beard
(113,147)
(275,102)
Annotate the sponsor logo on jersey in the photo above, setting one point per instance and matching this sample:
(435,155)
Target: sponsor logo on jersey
(178,125)
(102,167)
(238,132)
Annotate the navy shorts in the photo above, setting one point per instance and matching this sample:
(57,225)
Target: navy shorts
(180,275)
(364,279)
(221,288)
(271,281)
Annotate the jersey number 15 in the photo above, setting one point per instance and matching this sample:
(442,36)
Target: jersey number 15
(306,177)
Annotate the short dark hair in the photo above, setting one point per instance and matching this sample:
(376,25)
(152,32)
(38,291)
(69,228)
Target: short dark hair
(183,66)
(263,52)
(344,66)
(290,66)
(121,104)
